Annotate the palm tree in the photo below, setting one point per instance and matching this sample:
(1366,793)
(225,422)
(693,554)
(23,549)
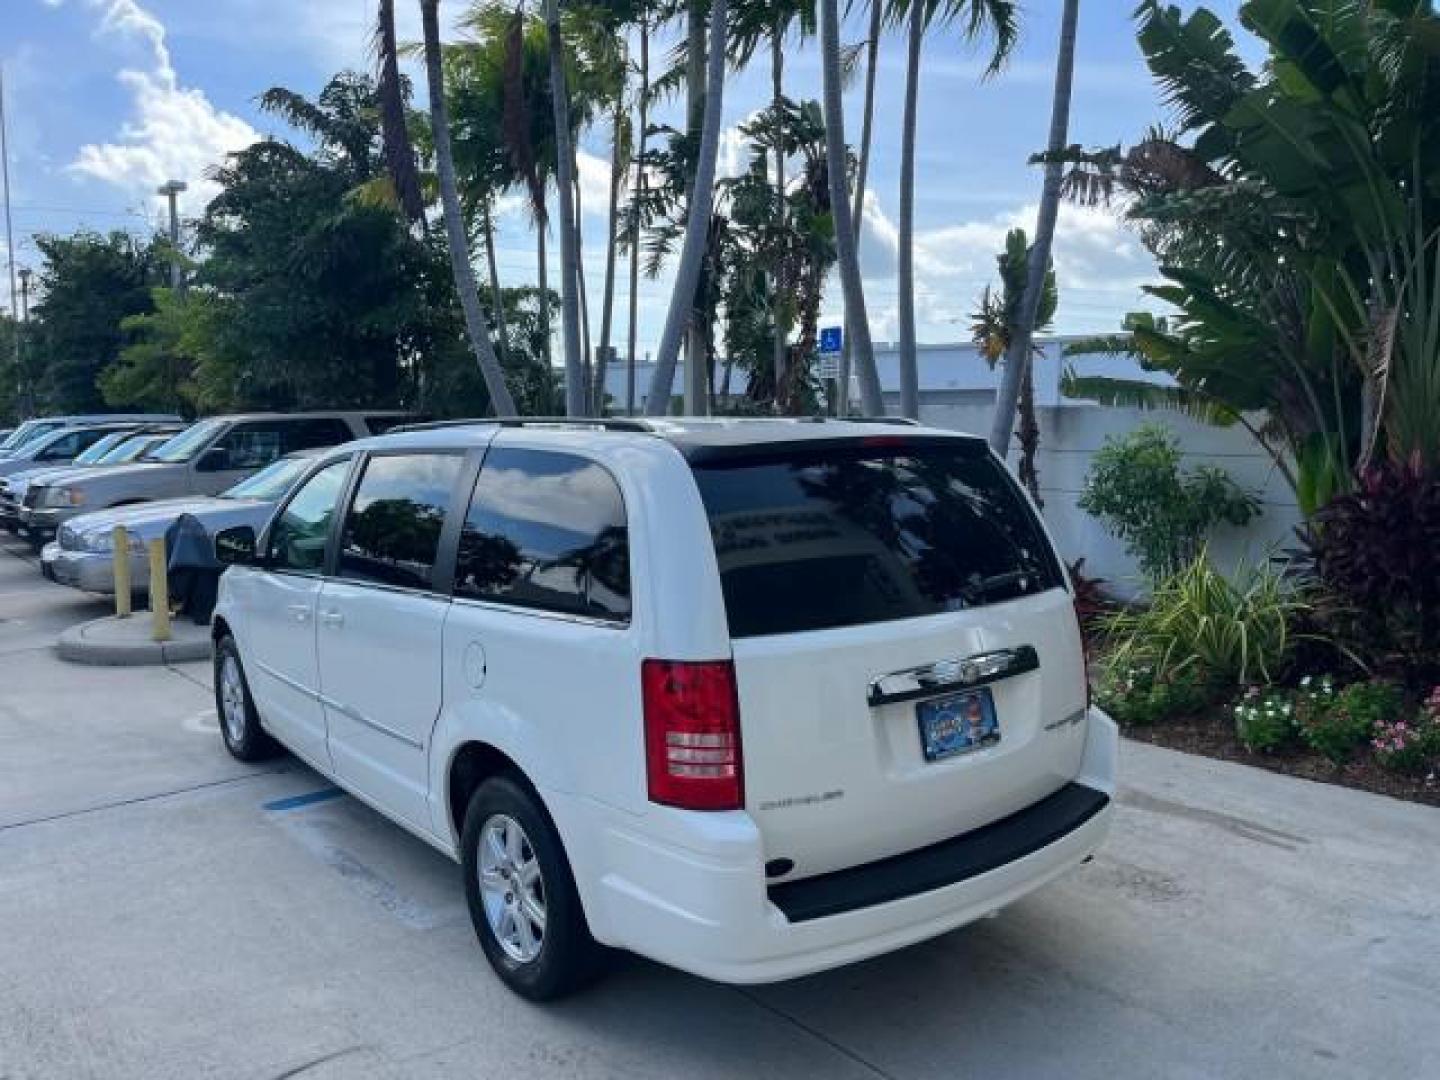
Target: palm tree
(464,273)
(856,318)
(993,328)
(1017,356)
(999,16)
(642,124)
(569,235)
(862,170)
(687,277)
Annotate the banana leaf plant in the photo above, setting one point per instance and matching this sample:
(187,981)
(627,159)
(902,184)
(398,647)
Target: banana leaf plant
(1295,215)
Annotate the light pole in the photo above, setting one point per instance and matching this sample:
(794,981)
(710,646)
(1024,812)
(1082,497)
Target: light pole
(171,190)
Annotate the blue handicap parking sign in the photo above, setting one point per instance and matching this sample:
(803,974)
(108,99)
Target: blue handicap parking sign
(831,339)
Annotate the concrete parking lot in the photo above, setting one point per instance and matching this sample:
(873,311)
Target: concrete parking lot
(168,912)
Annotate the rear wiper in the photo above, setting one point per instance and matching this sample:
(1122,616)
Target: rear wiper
(981,587)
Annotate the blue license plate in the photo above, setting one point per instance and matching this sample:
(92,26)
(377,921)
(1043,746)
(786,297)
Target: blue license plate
(957,725)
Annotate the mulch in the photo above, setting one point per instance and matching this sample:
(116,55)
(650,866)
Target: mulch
(1212,736)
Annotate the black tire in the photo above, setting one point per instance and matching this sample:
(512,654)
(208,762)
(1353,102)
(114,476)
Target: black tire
(241,731)
(568,956)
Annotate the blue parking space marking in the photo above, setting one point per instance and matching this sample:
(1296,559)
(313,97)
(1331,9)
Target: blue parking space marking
(294,802)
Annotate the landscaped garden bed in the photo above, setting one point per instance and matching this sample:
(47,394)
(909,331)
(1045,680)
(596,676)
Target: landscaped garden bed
(1323,664)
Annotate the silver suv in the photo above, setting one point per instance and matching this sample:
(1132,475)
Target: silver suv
(205,459)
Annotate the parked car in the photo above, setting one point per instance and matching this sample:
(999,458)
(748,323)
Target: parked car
(59,446)
(31,429)
(117,448)
(83,553)
(205,459)
(751,698)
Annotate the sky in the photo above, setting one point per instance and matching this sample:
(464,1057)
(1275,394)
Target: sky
(107,99)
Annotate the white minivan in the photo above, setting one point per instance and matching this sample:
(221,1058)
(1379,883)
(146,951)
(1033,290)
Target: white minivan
(754,698)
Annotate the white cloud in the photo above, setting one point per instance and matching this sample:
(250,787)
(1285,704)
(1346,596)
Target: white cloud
(1099,264)
(175,132)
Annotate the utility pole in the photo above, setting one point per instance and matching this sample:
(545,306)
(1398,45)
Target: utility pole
(171,190)
(21,331)
(9,225)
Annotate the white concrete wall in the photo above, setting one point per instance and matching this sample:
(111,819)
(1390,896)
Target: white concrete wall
(957,391)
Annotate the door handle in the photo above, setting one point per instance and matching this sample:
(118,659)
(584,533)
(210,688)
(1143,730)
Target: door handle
(333,619)
(299,612)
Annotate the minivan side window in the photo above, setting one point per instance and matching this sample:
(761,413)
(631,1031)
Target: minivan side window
(546,530)
(392,532)
(298,536)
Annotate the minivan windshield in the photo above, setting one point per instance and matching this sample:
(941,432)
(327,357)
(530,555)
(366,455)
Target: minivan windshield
(867,532)
(271,482)
(187,444)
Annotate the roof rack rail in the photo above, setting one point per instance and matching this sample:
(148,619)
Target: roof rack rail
(605,423)
(898,421)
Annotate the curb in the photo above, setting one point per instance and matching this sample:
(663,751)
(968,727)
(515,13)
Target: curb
(104,642)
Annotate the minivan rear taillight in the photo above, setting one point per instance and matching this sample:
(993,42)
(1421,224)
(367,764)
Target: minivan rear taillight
(692,734)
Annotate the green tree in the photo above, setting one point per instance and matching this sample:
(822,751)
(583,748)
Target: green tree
(89,285)
(317,295)
(1163,512)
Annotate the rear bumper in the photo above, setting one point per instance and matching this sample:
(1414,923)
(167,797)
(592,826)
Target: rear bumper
(690,891)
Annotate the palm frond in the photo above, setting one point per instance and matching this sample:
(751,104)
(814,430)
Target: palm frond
(1146,396)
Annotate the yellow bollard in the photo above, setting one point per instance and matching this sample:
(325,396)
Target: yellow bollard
(121,540)
(159,593)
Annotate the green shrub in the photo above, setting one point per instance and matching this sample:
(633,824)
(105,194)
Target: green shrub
(1339,726)
(1264,720)
(1410,744)
(1135,697)
(1233,632)
(1163,514)
(1375,556)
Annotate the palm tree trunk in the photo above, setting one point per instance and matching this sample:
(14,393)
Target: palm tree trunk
(1018,355)
(569,245)
(862,172)
(500,400)
(1029,436)
(496,297)
(607,302)
(847,254)
(909,374)
(777,94)
(695,347)
(587,357)
(395,137)
(632,338)
(542,274)
(697,227)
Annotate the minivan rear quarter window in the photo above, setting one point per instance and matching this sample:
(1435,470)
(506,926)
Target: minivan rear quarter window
(546,530)
(868,531)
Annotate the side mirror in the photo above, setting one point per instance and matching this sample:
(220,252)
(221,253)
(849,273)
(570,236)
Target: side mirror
(216,459)
(236,546)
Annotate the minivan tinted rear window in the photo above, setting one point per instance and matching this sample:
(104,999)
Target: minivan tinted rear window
(867,532)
